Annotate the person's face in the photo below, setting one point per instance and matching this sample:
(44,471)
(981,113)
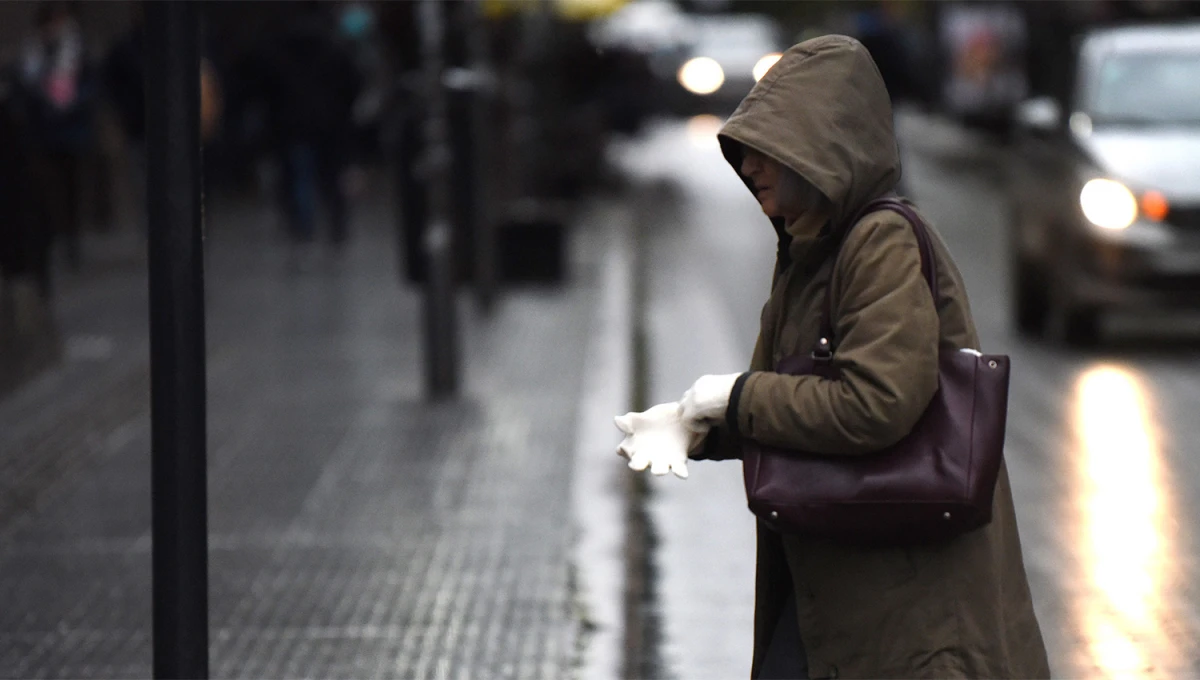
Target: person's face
(764,173)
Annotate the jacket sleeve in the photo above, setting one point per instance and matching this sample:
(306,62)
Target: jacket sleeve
(886,349)
(721,443)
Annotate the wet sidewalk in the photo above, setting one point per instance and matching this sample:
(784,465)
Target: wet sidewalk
(356,530)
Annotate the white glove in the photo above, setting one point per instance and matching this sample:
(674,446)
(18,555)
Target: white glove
(657,438)
(707,399)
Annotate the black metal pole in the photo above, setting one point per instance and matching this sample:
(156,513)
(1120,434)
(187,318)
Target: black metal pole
(481,130)
(177,371)
(440,304)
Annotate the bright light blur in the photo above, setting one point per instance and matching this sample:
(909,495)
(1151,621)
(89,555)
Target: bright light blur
(1121,498)
(1108,204)
(701,75)
(1115,654)
(764,65)
(1155,206)
(1124,520)
(1081,124)
(702,131)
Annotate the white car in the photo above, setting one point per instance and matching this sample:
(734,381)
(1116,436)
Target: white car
(1106,189)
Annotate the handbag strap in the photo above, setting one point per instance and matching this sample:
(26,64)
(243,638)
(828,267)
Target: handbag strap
(824,348)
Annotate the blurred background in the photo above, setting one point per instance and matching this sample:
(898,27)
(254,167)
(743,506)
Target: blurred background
(599,257)
(277,76)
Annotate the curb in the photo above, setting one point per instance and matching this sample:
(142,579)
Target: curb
(598,496)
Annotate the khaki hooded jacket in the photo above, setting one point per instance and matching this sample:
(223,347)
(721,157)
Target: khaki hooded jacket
(959,609)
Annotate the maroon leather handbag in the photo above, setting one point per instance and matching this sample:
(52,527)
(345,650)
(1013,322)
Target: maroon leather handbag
(934,484)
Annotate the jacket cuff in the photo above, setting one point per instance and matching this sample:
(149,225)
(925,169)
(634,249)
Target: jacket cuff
(710,450)
(744,414)
(731,411)
(718,445)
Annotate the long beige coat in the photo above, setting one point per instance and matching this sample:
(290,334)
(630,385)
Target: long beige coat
(960,609)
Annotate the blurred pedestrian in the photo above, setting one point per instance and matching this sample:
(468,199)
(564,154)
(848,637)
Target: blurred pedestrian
(25,233)
(59,90)
(124,78)
(814,142)
(886,38)
(124,81)
(360,36)
(310,84)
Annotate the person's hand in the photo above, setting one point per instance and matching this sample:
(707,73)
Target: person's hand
(707,399)
(658,439)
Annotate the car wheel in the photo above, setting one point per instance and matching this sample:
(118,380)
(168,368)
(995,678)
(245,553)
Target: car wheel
(1031,306)
(1081,326)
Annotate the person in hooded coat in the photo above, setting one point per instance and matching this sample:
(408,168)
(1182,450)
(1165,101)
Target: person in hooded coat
(814,141)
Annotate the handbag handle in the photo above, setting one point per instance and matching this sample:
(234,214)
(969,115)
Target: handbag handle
(824,348)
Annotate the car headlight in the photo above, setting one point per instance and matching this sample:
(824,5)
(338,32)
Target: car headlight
(1108,204)
(701,75)
(764,65)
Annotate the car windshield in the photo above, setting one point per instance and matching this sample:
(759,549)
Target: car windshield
(1147,88)
(733,40)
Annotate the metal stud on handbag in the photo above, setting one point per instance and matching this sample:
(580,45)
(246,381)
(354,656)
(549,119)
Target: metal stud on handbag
(934,484)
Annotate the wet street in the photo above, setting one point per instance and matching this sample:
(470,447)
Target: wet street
(1100,443)
(356,529)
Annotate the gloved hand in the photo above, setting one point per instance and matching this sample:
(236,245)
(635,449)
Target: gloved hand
(706,400)
(658,438)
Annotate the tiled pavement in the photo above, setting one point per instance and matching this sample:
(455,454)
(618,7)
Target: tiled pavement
(355,529)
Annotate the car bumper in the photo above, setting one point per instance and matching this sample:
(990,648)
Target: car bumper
(1139,274)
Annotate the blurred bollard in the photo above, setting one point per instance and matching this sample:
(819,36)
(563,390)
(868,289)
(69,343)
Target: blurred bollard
(177,348)
(471,85)
(440,304)
(412,199)
(460,82)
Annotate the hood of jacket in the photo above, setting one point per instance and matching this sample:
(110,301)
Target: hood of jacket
(824,112)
